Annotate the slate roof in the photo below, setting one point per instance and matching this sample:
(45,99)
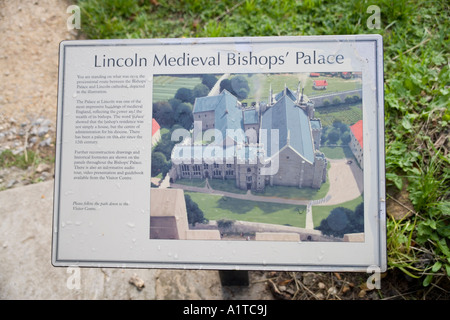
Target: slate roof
(315,124)
(293,128)
(251,117)
(287,92)
(226,112)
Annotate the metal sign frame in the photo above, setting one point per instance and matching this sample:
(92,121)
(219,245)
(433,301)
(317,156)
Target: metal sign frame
(103,211)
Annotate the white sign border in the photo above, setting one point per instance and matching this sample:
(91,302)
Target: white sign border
(263,255)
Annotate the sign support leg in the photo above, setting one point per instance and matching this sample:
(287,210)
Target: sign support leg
(234,277)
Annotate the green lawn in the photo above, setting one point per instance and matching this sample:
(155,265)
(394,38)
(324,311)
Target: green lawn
(228,185)
(192,182)
(348,114)
(216,207)
(296,193)
(165,87)
(339,152)
(335,84)
(260,84)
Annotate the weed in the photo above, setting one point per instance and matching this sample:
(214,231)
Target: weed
(21,160)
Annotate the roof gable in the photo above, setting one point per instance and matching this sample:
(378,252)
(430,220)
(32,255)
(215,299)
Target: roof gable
(293,128)
(357,131)
(321,83)
(227,114)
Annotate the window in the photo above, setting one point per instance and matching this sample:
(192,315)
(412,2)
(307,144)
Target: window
(249,169)
(229,165)
(197,171)
(205,166)
(216,166)
(185,170)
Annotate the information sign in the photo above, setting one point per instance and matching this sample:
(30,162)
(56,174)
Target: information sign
(221,153)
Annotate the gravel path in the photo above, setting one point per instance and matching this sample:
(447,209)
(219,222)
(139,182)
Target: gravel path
(31,32)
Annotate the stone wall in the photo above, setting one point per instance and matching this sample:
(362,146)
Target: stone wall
(319,100)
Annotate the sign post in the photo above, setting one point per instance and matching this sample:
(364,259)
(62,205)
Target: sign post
(225,153)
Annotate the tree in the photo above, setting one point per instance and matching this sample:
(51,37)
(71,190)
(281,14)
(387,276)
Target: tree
(240,87)
(337,100)
(225,84)
(209,80)
(184,94)
(175,103)
(199,90)
(336,223)
(333,136)
(194,213)
(237,86)
(345,138)
(165,145)
(159,163)
(183,116)
(342,220)
(356,223)
(163,113)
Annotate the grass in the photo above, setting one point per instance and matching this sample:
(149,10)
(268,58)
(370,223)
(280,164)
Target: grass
(165,87)
(339,152)
(216,207)
(225,185)
(296,193)
(21,160)
(348,114)
(416,72)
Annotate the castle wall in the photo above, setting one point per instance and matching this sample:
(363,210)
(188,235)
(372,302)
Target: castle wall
(207,118)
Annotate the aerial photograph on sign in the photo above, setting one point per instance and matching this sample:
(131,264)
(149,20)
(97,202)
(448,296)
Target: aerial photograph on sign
(257,157)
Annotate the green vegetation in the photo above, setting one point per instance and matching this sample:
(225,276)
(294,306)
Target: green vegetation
(296,193)
(216,207)
(20,160)
(225,185)
(339,152)
(322,212)
(343,220)
(194,213)
(416,73)
(347,113)
(165,87)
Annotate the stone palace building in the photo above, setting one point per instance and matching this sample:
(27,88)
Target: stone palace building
(268,143)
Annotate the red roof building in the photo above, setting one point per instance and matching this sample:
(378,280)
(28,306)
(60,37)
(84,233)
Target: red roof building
(155,126)
(320,84)
(357,130)
(156,133)
(356,142)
